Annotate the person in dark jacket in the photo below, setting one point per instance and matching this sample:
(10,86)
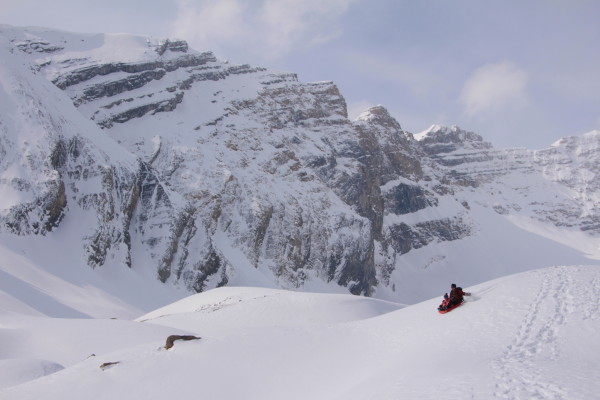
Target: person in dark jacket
(456,295)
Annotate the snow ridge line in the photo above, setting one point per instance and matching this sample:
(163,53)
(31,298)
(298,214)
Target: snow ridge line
(536,338)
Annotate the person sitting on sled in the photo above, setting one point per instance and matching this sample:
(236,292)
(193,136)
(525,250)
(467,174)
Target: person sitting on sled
(444,304)
(455,298)
(456,295)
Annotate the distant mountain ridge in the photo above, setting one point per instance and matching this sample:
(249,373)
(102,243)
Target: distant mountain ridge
(163,159)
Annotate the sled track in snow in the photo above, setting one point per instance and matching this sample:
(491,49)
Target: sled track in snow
(536,339)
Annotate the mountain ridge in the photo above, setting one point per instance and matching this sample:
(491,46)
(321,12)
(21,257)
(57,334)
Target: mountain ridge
(236,174)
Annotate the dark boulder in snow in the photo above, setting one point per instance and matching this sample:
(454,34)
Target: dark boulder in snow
(171,339)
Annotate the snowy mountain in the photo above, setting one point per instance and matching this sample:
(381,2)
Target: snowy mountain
(126,161)
(527,336)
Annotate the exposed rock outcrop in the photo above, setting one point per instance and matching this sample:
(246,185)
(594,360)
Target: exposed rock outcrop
(171,339)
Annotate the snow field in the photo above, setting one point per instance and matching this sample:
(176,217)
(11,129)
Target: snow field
(527,336)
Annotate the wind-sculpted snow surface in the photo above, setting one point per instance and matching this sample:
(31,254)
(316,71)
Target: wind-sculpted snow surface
(199,173)
(527,336)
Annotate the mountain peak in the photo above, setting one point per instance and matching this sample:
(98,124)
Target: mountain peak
(591,136)
(180,46)
(447,134)
(379,115)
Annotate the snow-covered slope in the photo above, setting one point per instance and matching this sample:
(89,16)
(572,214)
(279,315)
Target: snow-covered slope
(527,336)
(38,278)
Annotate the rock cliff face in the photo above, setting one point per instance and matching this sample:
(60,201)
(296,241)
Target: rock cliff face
(207,173)
(570,166)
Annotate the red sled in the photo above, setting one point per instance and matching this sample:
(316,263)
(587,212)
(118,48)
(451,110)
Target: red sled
(451,308)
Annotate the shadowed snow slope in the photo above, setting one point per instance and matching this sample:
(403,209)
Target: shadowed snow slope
(37,278)
(525,336)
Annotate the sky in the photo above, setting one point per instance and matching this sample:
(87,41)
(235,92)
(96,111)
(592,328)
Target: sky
(521,73)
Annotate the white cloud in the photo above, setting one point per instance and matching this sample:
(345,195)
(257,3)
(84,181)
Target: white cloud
(289,22)
(493,89)
(271,28)
(209,24)
(420,81)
